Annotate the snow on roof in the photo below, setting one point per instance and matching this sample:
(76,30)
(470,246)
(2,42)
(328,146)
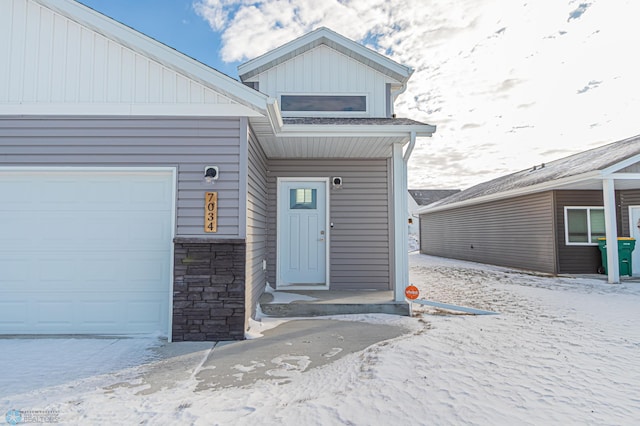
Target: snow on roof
(425,197)
(592,160)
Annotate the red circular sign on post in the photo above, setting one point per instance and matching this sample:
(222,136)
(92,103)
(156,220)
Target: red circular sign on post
(411,292)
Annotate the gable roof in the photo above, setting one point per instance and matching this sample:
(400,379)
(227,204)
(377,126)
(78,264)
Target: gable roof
(325,36)
(584,170)
(424,197)
(167,57)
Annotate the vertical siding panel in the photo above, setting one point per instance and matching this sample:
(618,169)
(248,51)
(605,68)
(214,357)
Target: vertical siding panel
(16,52)
(127,75)
(186,143)
(59,59)
(44,57)
(256,223)
(29,44)
(114,72)
(85,80)
(141,75)
(100,63)
(72,62)
(6,29)
(182,90)
(155,83)
(359,241)
(516,232)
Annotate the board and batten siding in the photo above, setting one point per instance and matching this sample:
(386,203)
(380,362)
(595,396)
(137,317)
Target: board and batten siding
(325,70)
(517,233)
(189,144)
(50,59)
(256,223)
(359,241)
(576,259)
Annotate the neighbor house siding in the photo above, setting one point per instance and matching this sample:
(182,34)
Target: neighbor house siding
(359,240)
(516,232)
(189,144)
(576,259)
(627,198)
(256,222)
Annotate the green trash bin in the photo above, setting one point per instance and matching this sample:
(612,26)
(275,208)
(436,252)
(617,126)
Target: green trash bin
(625,247)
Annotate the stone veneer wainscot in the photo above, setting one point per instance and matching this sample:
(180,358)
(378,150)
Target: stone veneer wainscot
(208,289)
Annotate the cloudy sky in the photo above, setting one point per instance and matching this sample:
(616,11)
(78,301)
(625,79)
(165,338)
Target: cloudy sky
(508,83)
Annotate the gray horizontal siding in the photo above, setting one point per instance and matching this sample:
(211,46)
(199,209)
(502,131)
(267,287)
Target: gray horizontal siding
(256,223)
(359,241)
(517,233)
(186,143)
(576,259)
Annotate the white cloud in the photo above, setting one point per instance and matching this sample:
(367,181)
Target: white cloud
(503,81)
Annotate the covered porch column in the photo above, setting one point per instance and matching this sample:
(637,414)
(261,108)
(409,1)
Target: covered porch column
(611,230)
(400,210)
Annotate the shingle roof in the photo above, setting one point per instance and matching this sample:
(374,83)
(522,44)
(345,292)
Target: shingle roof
(425,197)
(353,121)
(592,160)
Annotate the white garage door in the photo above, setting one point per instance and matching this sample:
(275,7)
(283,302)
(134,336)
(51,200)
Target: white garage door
(85,252)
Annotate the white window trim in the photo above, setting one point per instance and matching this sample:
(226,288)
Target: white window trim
(566,224)
(325,113)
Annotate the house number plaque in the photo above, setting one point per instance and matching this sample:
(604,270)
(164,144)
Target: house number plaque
(210,212)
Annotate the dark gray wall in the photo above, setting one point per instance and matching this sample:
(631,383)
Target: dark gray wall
(517,232)
(359,241)
(186,143)
(626,198)
(256,222)
(576,259)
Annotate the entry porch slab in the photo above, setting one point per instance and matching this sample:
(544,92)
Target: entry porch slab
(308,303)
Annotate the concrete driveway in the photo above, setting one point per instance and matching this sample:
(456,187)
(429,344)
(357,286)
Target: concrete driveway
(153,364)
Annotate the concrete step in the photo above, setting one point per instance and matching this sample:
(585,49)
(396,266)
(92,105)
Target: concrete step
(322,303)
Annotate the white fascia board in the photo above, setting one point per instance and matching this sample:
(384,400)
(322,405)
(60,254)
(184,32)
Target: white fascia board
(274,115)
(159,52)
(545,186)
(621,165)
(302,130)
(218,110)
(326,33)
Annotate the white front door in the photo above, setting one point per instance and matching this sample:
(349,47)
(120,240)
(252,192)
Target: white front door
(634,228)
(302,233)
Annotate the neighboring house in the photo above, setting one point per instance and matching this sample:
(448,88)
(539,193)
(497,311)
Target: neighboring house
(423,197)
(143,191)
(546,218)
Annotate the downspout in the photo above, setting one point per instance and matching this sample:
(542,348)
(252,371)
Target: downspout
(394,96)
(402,229)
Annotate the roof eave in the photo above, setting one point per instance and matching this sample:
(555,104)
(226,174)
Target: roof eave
(323,35)
(301,130)
(541,187)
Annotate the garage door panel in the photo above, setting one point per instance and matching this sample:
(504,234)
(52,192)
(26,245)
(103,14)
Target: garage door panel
(85,252)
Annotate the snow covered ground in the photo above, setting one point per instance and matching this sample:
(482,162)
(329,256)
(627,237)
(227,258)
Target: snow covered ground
(562,351)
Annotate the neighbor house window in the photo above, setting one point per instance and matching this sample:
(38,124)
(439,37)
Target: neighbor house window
(584,225)
(323,103)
